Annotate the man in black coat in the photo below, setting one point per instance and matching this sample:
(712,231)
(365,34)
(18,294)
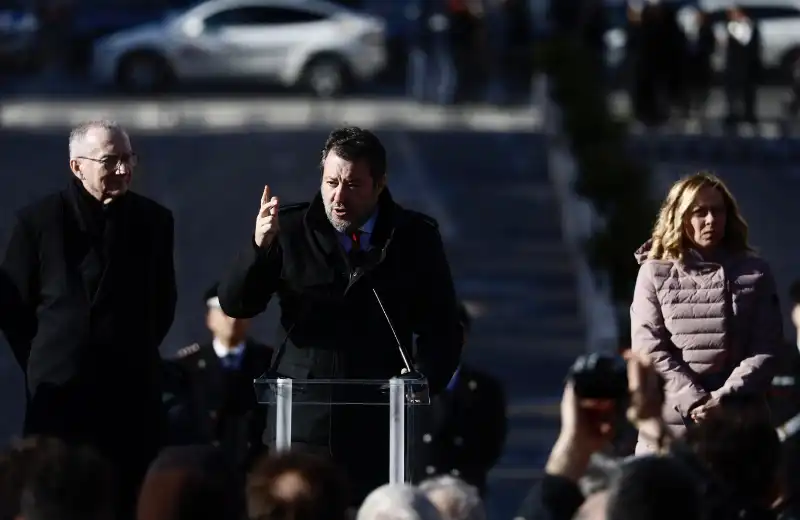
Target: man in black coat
(88,295)
(463,432)
(743,66)
(220,376)
(326,261)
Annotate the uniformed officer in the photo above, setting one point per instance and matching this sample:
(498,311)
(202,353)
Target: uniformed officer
(221,374)
(463,432)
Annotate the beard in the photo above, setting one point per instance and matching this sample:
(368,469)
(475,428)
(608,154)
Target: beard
(342,225)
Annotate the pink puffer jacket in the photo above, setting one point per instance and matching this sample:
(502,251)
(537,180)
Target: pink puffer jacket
(708,328)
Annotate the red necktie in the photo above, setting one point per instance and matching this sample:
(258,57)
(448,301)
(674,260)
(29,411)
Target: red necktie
(355,248)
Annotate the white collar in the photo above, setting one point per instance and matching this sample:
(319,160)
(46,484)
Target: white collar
(222,351)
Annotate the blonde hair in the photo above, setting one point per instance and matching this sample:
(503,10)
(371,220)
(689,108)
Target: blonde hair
(669,240)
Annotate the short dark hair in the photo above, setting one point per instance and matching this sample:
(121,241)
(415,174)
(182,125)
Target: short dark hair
(319,490)
(654,488)
(743,425)
(201,480)
(68,483)
(17,463)
(352,143)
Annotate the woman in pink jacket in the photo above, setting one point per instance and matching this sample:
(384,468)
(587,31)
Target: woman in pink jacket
(705,309)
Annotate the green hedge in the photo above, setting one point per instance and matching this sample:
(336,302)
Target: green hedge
(617,185)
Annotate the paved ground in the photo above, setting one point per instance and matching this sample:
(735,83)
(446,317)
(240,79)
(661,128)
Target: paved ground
(489,190)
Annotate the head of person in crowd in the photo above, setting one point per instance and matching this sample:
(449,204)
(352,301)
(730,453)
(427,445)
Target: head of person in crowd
(17,463)
(454,498)
(101,158)
(64,482)
(736,13)
(228,331)
(353,177)
(398,502)
(647,488)
(296,486)
(190,482)
(741,453)
(699,214)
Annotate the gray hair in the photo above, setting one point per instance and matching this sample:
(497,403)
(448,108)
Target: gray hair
(397,502)
(77,136)
(455,499)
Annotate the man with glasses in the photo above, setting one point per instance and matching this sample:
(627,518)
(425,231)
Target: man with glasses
(87,294)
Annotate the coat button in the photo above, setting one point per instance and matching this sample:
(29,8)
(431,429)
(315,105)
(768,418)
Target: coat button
(215,444)
(455,473)
(472,385)
(212,414)
(427,438)
(458,441)
(430,470)
(201,363)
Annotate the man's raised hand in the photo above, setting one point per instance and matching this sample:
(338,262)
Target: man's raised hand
(267,222)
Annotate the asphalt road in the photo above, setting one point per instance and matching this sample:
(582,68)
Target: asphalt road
(487,186)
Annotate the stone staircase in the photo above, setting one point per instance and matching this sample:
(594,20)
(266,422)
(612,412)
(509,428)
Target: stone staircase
(514,271)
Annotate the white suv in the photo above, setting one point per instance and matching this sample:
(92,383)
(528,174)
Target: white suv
(314,44)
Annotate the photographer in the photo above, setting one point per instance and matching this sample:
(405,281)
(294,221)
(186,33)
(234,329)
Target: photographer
(588,410)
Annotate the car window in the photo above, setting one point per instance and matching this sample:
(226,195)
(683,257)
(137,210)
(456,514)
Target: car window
(255,16)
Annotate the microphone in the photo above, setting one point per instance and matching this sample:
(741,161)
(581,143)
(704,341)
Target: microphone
(411,372)
(362,266)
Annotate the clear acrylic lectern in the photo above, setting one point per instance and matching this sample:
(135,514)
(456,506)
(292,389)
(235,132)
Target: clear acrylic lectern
(398,396)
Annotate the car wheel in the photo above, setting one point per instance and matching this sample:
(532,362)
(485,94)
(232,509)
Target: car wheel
(326,77)
(143,73)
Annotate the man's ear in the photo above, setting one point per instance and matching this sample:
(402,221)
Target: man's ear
(380,183)
(75,166)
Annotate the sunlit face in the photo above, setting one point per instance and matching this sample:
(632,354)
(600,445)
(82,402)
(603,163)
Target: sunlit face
(706,219)
(105,164)
(229,331)
(349,192)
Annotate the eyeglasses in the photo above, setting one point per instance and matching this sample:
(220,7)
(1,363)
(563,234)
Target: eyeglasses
(113,162)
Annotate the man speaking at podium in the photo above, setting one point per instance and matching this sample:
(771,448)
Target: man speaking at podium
(336,264)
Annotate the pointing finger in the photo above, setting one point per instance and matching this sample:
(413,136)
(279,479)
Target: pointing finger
(265,196)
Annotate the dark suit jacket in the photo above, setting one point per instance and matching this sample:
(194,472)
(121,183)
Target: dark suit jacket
(87,330)
(335,326)
(463,432)
(224,401)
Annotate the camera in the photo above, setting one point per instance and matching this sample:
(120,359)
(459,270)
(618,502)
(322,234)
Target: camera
(600,376)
